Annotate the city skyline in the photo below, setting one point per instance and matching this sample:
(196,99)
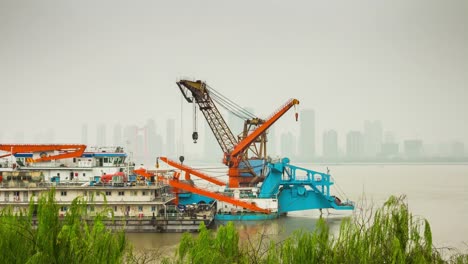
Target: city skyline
(148,141)
(401,62)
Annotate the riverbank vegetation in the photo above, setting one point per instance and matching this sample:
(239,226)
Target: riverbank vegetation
(390,235)
(58,240)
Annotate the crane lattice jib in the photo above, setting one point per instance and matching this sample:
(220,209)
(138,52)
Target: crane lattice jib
(200,94)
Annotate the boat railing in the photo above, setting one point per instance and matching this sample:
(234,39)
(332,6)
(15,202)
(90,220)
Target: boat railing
(71,184)
(318,181)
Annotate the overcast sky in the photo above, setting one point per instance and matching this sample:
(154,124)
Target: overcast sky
(65,63)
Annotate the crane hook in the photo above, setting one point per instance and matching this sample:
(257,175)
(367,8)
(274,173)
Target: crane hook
(296,114)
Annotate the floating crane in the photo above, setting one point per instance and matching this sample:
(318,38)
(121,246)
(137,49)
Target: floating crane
(236,150)
(284,187)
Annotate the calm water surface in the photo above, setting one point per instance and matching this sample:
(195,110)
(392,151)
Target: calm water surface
(438,193)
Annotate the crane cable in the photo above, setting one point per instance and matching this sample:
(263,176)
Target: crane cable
(181,147)
(230,105)
(338,188)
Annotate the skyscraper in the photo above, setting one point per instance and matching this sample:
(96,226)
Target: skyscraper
(373,135)
(307,135)
(354,145)
(330,144)
(151,138)
(457,149)
(130,138)
(101,135)
(413,148)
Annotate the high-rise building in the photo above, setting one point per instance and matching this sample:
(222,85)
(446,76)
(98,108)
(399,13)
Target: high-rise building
(389,150)
(170,138)
(457,149)
(389,137)
(307,135)
(288,145)
(117,135)
(330,144)
(101,135)
(373,134)
(413,148)
(84,134)
(354,145)
(130,138)
(141,149)
(151,139)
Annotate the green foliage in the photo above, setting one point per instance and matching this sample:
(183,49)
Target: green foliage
(70,240)
(208,248)
(391,235)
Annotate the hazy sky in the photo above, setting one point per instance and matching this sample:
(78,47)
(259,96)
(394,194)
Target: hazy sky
(65,63)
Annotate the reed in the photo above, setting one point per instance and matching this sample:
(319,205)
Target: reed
(390,235)
(55,240)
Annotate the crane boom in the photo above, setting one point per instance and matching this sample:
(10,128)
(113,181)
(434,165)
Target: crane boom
(245,143)
(176,184)
(190,170)
(236,151)
(200,94)
(71,151)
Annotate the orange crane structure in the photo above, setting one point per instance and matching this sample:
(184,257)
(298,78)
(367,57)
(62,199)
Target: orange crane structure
(238,151)
(67,150)
(178,185)
(250,145)
(284,187)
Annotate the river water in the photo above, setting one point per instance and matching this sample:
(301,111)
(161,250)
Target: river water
(438,193)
